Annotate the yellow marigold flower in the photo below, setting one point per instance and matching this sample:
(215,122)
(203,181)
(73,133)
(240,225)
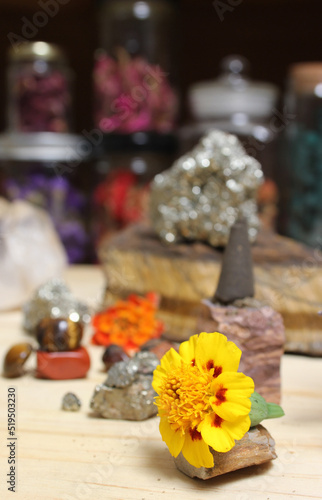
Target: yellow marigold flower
(202,400)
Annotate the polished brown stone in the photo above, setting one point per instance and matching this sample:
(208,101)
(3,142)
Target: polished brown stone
(13,363)
(63,365)
(59,334)
(113,354)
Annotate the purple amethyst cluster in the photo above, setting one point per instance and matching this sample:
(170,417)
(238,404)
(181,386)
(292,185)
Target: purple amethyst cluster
(64,203)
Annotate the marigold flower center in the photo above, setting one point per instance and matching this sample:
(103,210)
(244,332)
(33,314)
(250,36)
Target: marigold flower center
(184,398)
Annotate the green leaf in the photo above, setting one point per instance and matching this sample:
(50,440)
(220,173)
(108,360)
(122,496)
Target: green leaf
(261,410)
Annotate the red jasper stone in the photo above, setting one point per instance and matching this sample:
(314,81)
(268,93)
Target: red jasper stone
(63,365)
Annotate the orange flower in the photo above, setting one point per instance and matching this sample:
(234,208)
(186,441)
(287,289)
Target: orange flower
(129,323)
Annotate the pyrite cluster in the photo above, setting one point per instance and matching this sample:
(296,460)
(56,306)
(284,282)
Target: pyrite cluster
(127,392)
(53,300)
(201,196)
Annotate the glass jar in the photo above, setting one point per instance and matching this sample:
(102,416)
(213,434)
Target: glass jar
(301,156)
(125,167)
(39,94)
(133,73)
(235,104)
(43,169)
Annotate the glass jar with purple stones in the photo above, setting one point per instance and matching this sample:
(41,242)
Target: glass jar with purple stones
(39,97)
(133,72)
(52,171)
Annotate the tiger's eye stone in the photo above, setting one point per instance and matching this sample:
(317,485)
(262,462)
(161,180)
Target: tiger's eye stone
(59,334)
(13,364)
(113,354)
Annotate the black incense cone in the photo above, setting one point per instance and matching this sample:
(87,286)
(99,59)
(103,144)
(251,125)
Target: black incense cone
(236,279)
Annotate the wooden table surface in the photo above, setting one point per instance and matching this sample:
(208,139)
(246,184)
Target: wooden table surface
(73,456)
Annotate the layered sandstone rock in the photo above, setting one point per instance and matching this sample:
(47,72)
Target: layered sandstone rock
(287,278)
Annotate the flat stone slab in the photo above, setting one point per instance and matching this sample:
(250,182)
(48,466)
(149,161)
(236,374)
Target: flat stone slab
(287,276)
(255,448)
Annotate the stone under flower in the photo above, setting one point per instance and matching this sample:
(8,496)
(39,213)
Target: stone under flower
(202,400)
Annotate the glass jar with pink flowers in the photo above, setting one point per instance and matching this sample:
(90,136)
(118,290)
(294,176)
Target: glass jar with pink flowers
(133,73)
(39,89)
(136,108)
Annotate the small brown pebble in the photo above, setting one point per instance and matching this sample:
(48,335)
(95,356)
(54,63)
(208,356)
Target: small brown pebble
(15,359)
(113,354)
(59,334)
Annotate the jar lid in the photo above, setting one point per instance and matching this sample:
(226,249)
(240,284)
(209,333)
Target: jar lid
(306,76)
(29,51)
(44,147)
(232,92)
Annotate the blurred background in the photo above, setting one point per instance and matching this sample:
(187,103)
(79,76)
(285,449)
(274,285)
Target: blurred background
(189,41)
(271,34)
